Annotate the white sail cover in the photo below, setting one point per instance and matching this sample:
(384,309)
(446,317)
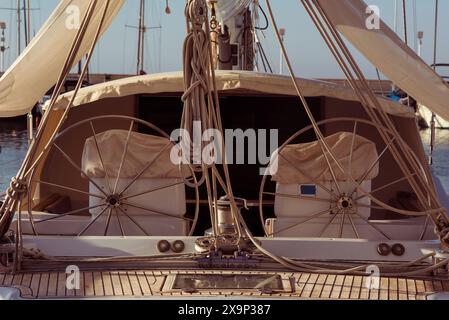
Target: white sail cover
(306,163)
(226,9)
(142,150)
(38,67)
(384,49)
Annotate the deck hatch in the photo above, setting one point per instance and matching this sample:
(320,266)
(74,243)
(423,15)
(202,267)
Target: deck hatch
(213,282)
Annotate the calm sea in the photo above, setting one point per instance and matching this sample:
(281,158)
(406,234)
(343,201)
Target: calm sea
(13,143)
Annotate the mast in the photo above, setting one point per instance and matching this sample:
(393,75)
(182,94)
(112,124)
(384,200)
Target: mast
(404,11)
(141,39)
(282,32)
(3,46)
(19,31)
(433,121)
(25,22)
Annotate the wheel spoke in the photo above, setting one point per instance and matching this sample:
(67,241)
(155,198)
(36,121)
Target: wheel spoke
(152,191)
(97,145)
(79,169)
(353,226)
(134,221)
(108,222)
(155,211)
(359,183)
(329,165)
(351,156)
(342,224)
(282,195)
(70,213)
(373,226)
(68,189)
(314,216)
(125,153)
(309,177)
(145,169)
(331,220)
(92,223)
(386,186)
(122,231)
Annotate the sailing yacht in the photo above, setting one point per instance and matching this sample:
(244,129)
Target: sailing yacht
(333,197)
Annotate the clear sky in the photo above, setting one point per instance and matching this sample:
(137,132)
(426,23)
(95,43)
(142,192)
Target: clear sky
(117,50)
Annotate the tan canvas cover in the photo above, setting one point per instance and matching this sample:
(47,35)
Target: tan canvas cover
(142,149)
(38,67)
(227,81)
(306,163)
(384,49)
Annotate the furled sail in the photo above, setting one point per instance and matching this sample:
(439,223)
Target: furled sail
(384,49)
(226,9)
(38,67)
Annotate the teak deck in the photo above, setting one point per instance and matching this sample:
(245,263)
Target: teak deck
(150,284)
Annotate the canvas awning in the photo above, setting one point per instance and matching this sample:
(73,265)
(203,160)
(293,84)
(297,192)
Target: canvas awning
(38,67)
(384,49)
(306,163)
(227,81)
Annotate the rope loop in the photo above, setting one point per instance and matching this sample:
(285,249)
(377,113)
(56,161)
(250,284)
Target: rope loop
(17,189)
(197,13)
(444,235)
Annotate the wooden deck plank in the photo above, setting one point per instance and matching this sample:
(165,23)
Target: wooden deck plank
(319,286)
(17,280)
(52,285)
(35,283)
(116,283)
(347,288)
(43,285)
(338,287)
(374,294)
(26,280)
(135,285)
(98,284)
(144,285)
(82,291)
(308,288)
(89,288)
(402,288)
(393,285)
(438,286)
(7,281)
(302,281)
(126,285)
(420,290)
(411,289)
(384,289)
(446,286)
(429,286)
(327,289)
(356,288)
(107,283)
(365,291)
(62,284)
